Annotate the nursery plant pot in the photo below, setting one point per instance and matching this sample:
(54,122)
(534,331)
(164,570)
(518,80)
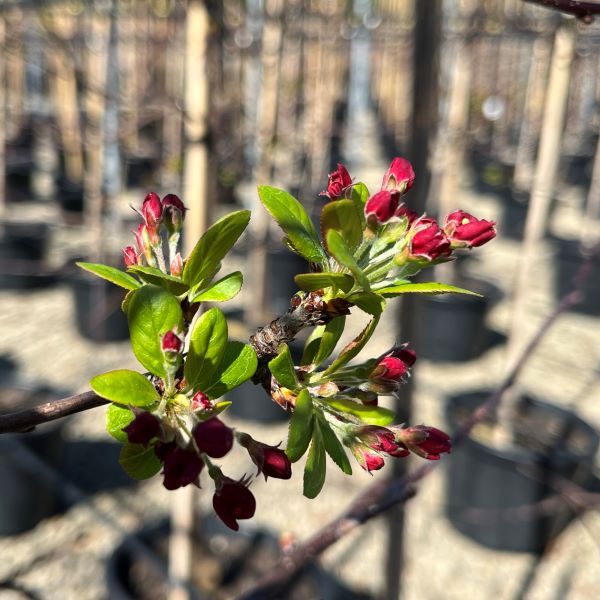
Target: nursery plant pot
(23,248)
(26,498)
(494,494)
(98,311)
(568,262)
(453,325)
(226,563)
(491,176)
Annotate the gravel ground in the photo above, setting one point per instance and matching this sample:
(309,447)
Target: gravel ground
(64,556)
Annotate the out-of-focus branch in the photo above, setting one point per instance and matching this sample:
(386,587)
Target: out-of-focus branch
(382,495)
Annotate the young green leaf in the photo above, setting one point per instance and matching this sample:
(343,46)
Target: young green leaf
(208,341)
(293,220)
(111,274)
(125,387)
(360,193)
(344,217)
(354,347)
(205,259)
(372,415)
(372,304)
(311,346)
(157,277)
(220,291)
(301,427)
(238,365)
(310,282)
(138,461)
(339,250)
(117,418)
(423,288)
(334,447)
(152,311)
(282,368)
(314,472)
(331,336)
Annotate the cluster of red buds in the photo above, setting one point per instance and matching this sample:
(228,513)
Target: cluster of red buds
(156,213)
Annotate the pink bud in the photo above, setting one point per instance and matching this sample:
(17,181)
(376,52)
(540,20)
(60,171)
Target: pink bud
(200,401)
(152,210)
(377,438)
(427,442)
(466,231)
(403,212)
(174,212)
(381,206)
(177,265)
(270,460)
(428,240)
(130,256)
(171,342)
(389,368)
(399,177)
(368,459)
(406,355)
(213,437)
(233,501)
(143,428)
(339,182)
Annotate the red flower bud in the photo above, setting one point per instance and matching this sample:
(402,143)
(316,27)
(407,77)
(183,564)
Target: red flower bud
(368,459)
(339,182)
(377,438)
(403,212)
(233,501)
(174,212)
(213,437)
(181,467)
(177,265)
(381,206)
(428,240)
(200,401)
(424,441)
(389,368)
(143,428)
(406,355)
(399,177)
(466,231)
(171,342)
(270,460)
(152,211)
(130,256)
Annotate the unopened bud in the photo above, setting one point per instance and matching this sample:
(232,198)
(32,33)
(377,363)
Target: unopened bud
(174,213)
(130,256)
(399,177)
(177,265)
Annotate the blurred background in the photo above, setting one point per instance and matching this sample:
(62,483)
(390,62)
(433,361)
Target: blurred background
(497,105)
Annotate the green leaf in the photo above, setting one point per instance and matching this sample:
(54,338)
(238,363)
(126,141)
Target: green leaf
(334,447)
(301,427)
(372,415)
(282,368)
(220,291)
(139,462)
(360,193)
(314,472)
(369,302)
(339,250)
(238,365)
(157,277)
(331,336)
(423,288)
(317,281)
(354,347)
(205,259)
(344,217)
(117,418)
(208,341)
(151,313)
(125,387)
(111,274)
(127,300)
(293,220)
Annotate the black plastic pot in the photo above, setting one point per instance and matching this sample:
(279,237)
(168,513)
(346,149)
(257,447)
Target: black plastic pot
(98,311)
(569,259)
(23,248)
(494,495)
(26,498)
(453,325)
(229,563)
